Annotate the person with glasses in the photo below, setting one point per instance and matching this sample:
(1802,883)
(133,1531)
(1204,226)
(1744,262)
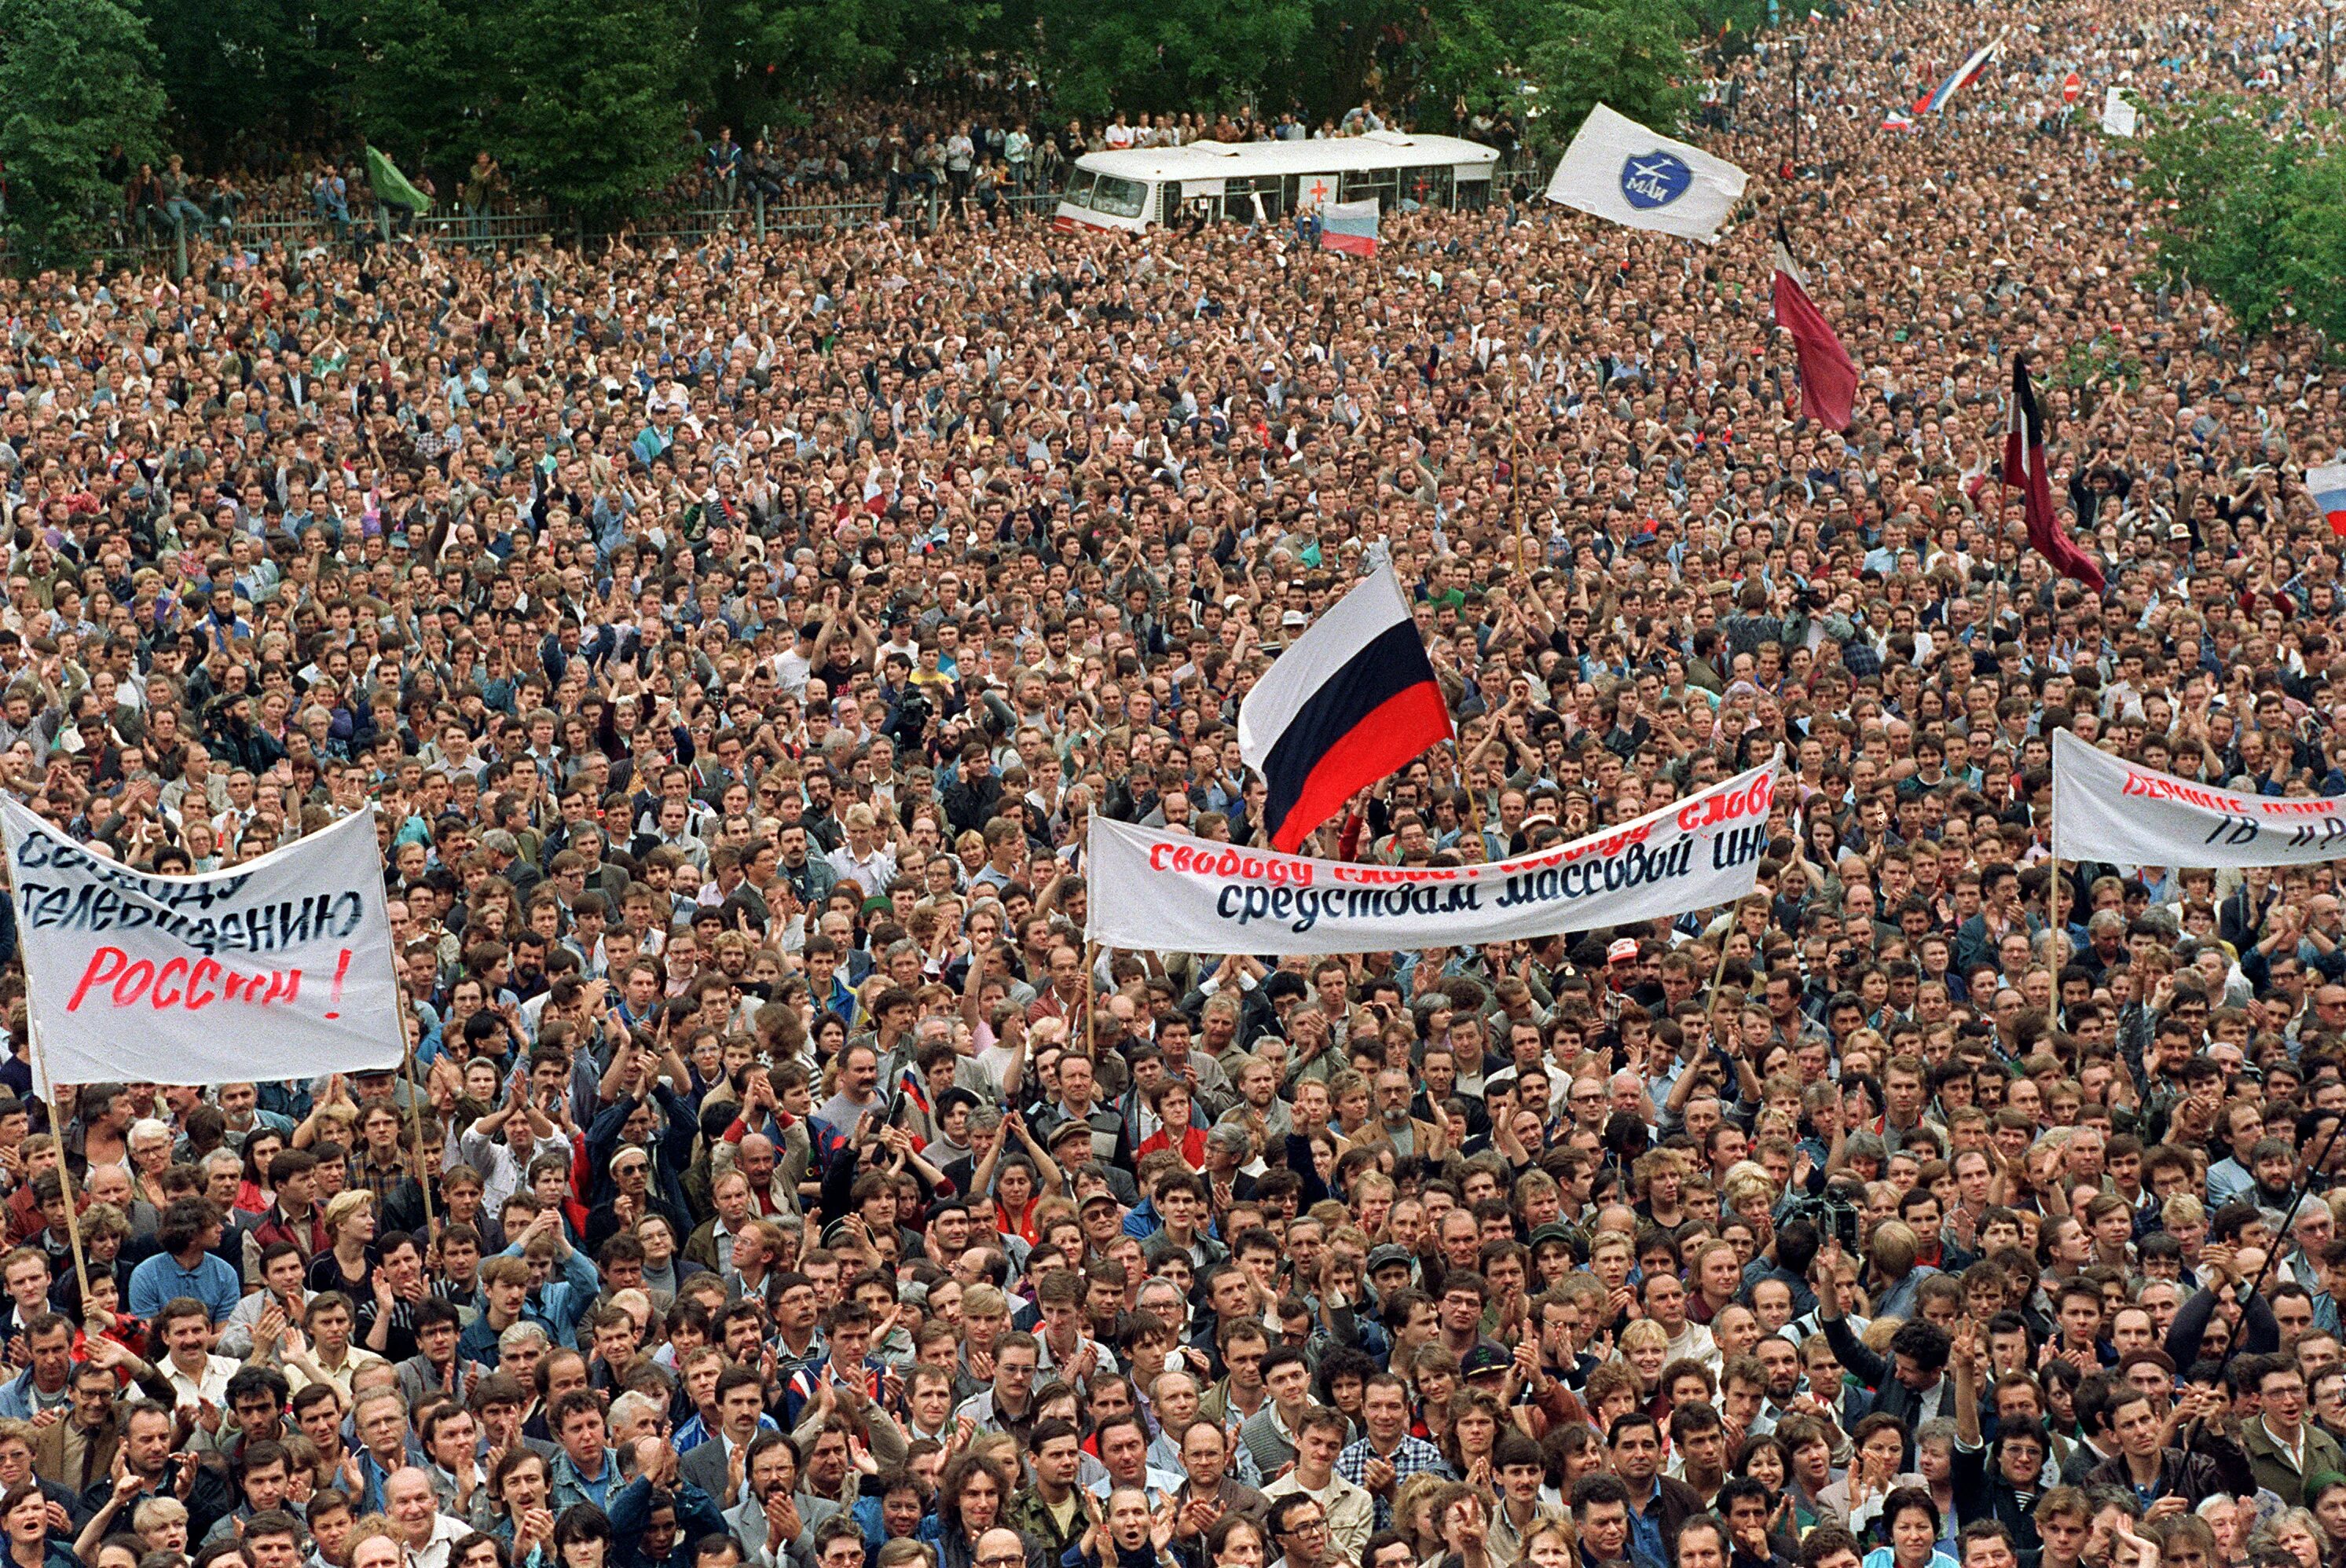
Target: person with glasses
(1298,1528)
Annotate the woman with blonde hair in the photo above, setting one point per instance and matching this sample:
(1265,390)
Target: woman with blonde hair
(1660,1181)
(1645,1350)
(1413,1515)
(348,1263)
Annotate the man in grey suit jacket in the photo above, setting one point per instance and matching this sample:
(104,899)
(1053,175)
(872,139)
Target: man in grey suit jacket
(741,1401)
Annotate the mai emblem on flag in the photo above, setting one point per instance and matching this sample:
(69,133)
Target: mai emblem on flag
(1619,170)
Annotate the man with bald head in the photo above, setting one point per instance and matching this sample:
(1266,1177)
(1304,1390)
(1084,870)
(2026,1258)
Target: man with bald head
(757,1159)
(415,1518)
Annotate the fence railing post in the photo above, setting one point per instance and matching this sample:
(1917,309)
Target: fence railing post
(762,213)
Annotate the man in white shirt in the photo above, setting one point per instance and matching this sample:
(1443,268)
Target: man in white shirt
(197,1378)
(424,1531)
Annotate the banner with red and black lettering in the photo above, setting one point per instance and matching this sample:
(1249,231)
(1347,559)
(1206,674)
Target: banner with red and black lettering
(2108,809)
(1150,888)
(279,968)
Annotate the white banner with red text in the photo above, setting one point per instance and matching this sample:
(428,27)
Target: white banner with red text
(1152,889)
(2108,809)
(280,968)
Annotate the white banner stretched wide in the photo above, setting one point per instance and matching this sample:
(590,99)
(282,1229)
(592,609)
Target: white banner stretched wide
(2108,809)
(280,968)
(1165,891)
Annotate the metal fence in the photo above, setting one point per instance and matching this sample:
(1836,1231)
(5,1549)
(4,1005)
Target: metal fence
(754,217)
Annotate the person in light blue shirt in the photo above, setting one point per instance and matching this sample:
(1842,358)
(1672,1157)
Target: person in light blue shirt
(1910,1520)
(554,1305)
(190,1229)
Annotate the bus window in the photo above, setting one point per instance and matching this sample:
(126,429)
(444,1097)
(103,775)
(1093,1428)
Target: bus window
(1238,194)
(1119,198)
(1079,191)
(1360,184)
(1471,195)
(1428,187)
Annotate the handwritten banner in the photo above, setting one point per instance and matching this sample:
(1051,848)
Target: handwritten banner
(2108,809)
(280,968)
(1165,891)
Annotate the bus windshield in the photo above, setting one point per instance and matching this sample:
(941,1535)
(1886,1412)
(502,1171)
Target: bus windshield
(1118,197)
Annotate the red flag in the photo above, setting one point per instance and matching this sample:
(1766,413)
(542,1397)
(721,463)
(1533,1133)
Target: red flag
(1828,375)
(2025,467)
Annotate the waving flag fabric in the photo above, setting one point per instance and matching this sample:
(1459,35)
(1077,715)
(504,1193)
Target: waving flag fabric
(1350,227)
(1963,73)
(2328,483)
(2025,469)
(1350,700)
(1828,375)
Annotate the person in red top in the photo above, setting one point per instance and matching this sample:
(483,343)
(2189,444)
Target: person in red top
(1170,1102)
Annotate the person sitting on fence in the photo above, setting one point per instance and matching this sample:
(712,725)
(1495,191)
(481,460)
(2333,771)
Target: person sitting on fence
(723,163)
(763,170)
(223,204)
(329,197)
(178,208)
(143,200)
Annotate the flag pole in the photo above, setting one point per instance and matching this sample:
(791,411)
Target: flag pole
(2053,905)
(416,1128)
(1091,959)
(65,1166)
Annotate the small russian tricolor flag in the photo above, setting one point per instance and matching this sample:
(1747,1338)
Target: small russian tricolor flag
(1350,227)
(1937,98)
(2327,481)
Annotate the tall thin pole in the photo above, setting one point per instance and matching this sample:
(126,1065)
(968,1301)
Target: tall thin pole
(1091,960)
(65,1168)
(416,1128)
(1719,971)
(2053,906)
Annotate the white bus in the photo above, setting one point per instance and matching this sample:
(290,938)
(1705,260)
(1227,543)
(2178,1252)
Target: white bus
(1130,190)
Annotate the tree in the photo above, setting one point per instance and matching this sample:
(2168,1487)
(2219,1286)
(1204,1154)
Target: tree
(426,77)
(755,60)
(1195,54)
(1628,53)
(2238,187)
(236,68)
(77,78)
(592,114)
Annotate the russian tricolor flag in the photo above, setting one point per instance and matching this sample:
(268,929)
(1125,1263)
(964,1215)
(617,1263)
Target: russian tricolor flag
(1350,227)
(2327,481)
(1352,700)
(1962,77)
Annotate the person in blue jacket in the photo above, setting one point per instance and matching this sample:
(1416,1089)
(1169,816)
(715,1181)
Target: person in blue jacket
(657,1517)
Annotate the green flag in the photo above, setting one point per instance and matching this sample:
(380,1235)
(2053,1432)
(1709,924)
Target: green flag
(392,186)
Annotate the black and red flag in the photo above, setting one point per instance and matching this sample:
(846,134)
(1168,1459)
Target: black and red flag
(2025,468)
(1828,375)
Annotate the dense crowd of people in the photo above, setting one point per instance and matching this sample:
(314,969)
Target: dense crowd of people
(734,645)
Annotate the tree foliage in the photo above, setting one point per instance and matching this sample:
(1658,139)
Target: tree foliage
(2257,215)
(77,78)
(1628,53)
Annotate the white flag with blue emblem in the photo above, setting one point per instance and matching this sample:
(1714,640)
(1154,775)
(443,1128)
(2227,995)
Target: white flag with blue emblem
(1617,168)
